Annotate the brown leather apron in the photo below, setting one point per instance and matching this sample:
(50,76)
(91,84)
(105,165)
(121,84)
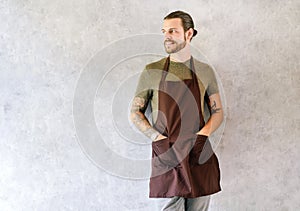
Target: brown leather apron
(183,164)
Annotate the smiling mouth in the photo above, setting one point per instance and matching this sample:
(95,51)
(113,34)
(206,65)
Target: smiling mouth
(169,42)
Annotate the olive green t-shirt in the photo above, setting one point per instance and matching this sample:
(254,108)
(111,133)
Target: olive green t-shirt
(149,80)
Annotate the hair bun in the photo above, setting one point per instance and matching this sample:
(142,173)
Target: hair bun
(195,32)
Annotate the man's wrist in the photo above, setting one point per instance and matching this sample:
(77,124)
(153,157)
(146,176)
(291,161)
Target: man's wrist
(154,135)
(202,133)
(151,133)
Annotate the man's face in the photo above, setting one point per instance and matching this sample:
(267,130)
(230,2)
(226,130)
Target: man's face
(175,38)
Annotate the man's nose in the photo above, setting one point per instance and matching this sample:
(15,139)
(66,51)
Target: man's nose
(167,35)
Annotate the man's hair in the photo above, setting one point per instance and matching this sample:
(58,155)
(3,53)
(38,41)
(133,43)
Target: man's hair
(186,19)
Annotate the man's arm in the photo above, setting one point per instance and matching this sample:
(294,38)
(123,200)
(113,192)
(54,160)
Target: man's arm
(138,118)
(216,116)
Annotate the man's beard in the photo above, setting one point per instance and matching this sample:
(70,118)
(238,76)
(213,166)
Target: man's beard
(171,46)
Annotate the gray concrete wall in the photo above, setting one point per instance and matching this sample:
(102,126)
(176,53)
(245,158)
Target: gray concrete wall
(46,47)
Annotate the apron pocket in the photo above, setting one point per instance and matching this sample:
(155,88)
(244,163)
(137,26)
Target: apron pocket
(160,146)
(165,153)
(202,152)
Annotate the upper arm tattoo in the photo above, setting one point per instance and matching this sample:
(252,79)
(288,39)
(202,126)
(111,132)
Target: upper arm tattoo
(138,104)
(213,107)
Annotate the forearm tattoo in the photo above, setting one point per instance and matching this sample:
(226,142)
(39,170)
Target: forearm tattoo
(213,108)
(138,118)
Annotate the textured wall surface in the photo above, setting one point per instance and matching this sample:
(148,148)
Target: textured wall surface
(45,45)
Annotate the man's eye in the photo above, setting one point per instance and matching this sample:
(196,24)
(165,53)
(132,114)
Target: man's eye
(170,31)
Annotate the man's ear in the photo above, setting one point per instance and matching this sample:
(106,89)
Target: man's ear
(189,34)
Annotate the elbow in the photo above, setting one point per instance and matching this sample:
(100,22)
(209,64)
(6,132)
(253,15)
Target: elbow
(221,116)
(132,117)
(218,117)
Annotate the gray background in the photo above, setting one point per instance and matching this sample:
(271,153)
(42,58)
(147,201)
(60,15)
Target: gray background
(45,45)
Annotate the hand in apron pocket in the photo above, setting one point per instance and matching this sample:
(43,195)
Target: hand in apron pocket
(162,149)
(202,151)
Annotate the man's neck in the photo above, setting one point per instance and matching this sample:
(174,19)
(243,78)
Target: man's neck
(182,55)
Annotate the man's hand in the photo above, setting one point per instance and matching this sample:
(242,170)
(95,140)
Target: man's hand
(160,137)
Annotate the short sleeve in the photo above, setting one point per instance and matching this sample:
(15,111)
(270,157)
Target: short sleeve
(212,87)
(144,89)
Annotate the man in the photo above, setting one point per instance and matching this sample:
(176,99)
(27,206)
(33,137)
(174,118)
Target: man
(180,89)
